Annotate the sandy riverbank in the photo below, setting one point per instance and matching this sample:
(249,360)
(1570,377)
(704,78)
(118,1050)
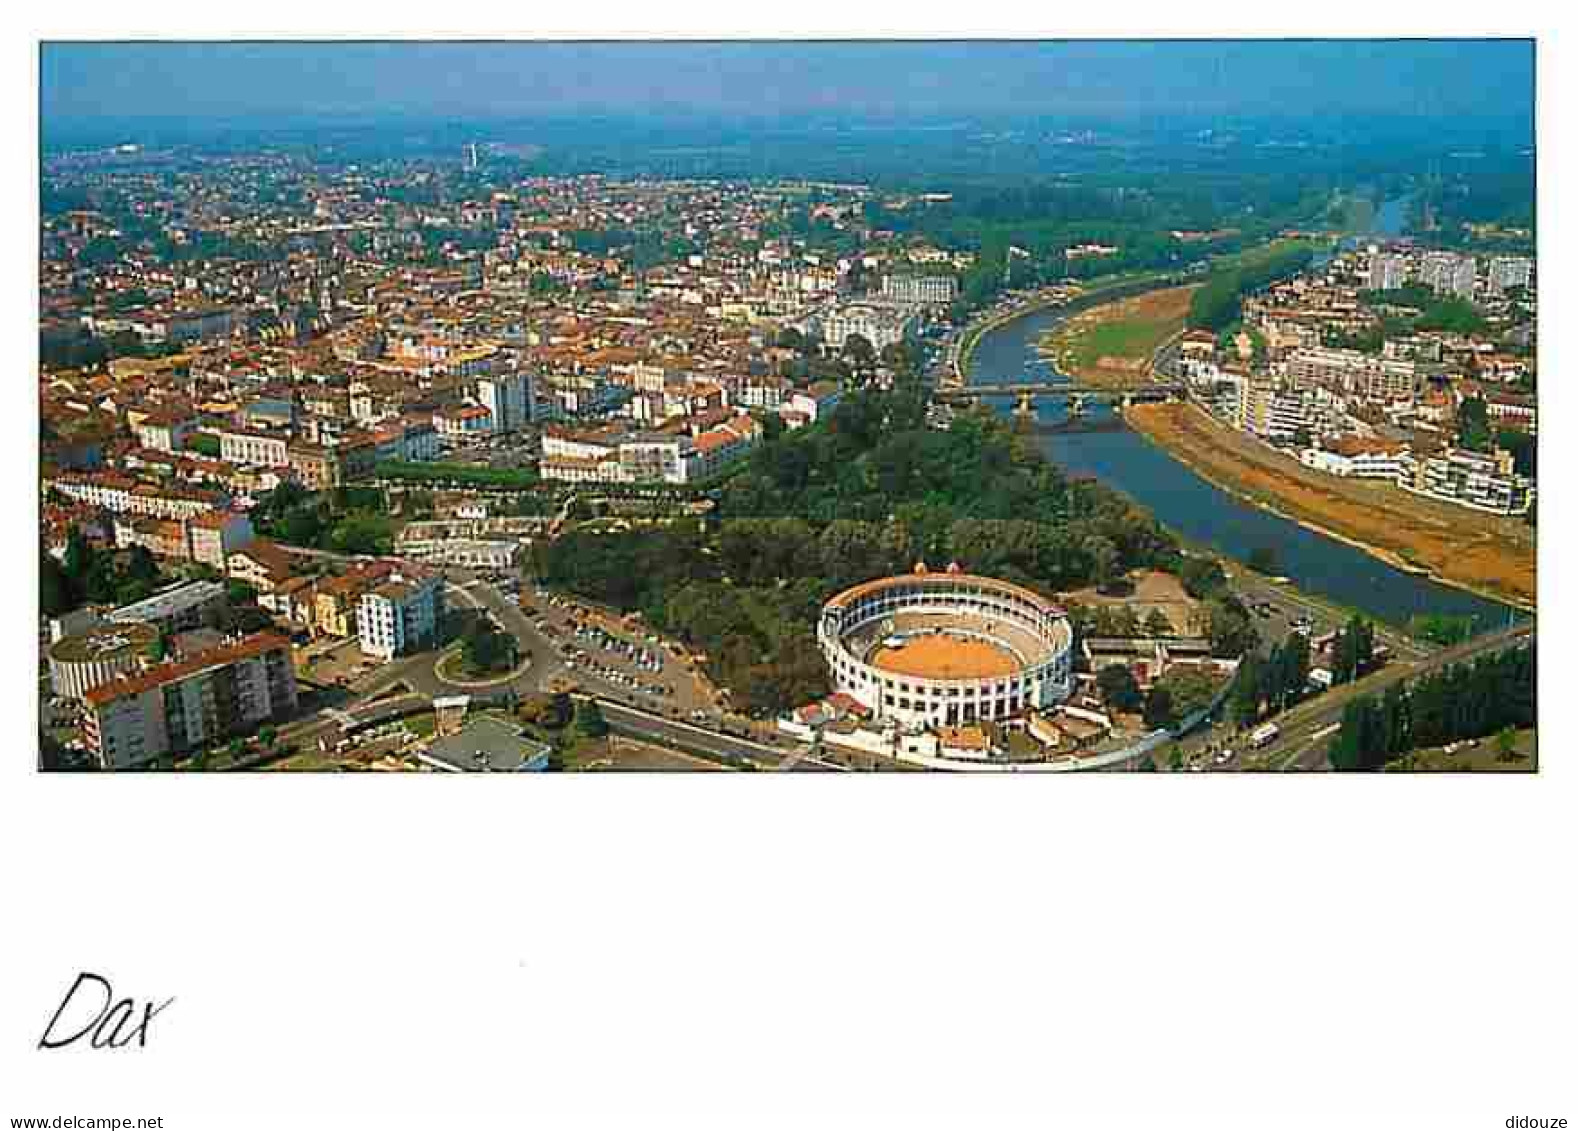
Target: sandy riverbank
(1484,554)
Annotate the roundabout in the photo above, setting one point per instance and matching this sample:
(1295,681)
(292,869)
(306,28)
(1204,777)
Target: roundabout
(445,671)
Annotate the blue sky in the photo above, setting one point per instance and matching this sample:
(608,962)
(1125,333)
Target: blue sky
(1488,79)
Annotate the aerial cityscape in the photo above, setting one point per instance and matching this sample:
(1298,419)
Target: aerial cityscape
(788,407)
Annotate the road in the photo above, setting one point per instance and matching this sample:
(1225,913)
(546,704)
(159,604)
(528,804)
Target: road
(1290,604)
(1303,739)
(687,736)
(506,610)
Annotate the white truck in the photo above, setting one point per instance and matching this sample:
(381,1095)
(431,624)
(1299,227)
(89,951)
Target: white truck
(1263,735)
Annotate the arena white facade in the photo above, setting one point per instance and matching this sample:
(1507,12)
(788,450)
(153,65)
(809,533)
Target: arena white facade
(946,648)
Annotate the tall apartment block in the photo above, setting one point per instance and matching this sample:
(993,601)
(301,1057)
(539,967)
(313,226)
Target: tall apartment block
(191,704)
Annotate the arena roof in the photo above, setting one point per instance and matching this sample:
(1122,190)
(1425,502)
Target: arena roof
(950,577)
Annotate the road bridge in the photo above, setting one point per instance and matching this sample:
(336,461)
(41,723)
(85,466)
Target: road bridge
(1154,391)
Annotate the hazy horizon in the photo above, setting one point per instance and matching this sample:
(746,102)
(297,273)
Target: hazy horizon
(1483,80)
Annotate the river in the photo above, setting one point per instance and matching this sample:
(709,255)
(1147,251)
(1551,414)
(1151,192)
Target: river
(1204,513)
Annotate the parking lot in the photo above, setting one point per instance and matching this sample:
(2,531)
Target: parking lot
(621,658)
(333,663)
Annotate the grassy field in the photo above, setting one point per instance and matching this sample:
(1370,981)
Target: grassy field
(1112,344)
(1483,552)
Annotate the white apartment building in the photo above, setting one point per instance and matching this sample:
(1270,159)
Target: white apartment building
(930,290)
(121,494)
(1387,272)
(164,432)
(1471,479)
(1289,414)
(1513,410)
(607,456)
(190,704)
(765,392)
(473,553)
(401,615)
(1353,457)
(654,457)
(254,449)
(1448,274)
(580,469)
(213,537)
(1507,271)
(1353,372)
(559,442)
(880,325)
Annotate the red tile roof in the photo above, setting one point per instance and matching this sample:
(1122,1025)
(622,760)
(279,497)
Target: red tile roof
(248,647)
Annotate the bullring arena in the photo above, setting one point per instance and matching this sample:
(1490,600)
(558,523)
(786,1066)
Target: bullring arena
(944,649)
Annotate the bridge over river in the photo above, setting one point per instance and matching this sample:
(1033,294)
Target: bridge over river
(1076,396)
(1154,390)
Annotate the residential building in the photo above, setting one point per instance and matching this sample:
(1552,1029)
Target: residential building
(816,402)
(401,614)
(161,537)
(718,448)
(265,566)
(1485,482)
(215,536)
(1511,410)
(1387,272)
(191,605)
(190,704)
(1447,273)
(1354,372)
(316,467)
(1506,272)
(509,399)
(654,457)
(930,290)
(1357,457)
(461,421)
(254,449)
(473,553)
(165,431)
(121,494)
(881,325)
